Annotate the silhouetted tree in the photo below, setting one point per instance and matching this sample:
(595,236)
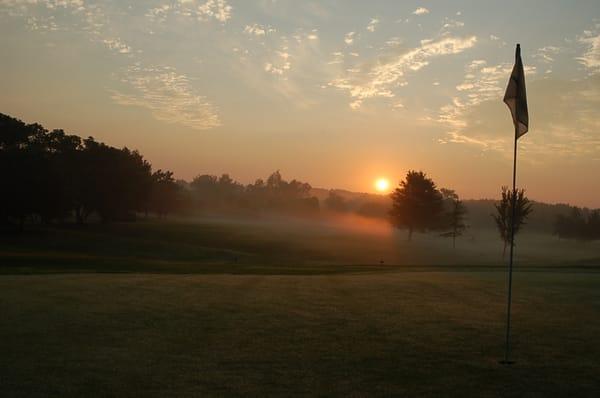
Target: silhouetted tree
(504,213)
(164,195)
(455,215)
(416,203)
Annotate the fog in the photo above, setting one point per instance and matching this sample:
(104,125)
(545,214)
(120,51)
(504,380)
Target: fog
(352,239)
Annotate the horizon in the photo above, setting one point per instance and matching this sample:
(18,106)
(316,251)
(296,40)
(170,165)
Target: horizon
(337,95)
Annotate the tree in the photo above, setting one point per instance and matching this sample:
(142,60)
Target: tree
(164,195)
(455,215)
(504,214)
(416,203)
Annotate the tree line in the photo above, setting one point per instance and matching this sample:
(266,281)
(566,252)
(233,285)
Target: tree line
(54,177)
(580,224)
(50,176)
(208,194)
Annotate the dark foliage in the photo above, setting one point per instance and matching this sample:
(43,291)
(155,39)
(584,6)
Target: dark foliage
(223,195)
(579,225)
(416,204)
(504,214)
(50,176)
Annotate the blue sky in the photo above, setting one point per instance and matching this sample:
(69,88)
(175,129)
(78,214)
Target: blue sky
(337,93)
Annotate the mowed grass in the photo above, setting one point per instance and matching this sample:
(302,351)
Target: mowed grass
(401,333)
(291,308)
(268,245)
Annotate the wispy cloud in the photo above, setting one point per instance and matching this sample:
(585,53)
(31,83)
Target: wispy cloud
(382,79)
(258,30)
(168,95)
(117,45)
(547,54)
(373,24)
(218,10)
(564,113)
(482,82)
(280,65)
(564,121)
(591,57)
(452,24)
(69,15)
(349,38)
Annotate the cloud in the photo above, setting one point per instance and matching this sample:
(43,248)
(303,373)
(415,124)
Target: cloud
(373,24)
(421,11)
(591,57)
(217,9)
(452,24)
(117,45)
(258,30)
(563,121)
(49,4)
(563,114)
(546,54)
(283,66)
(482,83)
(168,95)
(381,79)
(349,38)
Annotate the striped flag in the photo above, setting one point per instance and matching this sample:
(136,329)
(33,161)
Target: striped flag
(516,96)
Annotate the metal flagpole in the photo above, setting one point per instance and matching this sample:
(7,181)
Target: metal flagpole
(506,360)
(516,99)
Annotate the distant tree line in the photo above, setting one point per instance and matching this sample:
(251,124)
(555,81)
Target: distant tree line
(578,224)
(54,177)
(208,194)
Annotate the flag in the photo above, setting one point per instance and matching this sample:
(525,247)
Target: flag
(516,96)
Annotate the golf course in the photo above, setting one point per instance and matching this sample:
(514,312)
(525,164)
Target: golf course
(282,307)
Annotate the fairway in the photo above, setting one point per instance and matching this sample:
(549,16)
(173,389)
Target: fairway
(371,333)
(271,245)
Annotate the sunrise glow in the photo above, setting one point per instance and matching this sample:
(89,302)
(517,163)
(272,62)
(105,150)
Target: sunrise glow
(382,185)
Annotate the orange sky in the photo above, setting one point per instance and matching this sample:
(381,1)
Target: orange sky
(335,95)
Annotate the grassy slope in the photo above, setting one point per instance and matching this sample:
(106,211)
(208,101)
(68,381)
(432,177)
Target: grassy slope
(278,246)
(370,334)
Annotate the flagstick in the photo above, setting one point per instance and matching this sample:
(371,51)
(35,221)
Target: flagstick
(506,360)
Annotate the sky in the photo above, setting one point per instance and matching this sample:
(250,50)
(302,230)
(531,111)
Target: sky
(335,93)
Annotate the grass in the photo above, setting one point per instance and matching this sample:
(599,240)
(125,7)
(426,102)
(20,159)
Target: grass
(217,308)
(271,246)
(376,334)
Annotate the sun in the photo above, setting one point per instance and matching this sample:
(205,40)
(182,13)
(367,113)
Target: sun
(382,185)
